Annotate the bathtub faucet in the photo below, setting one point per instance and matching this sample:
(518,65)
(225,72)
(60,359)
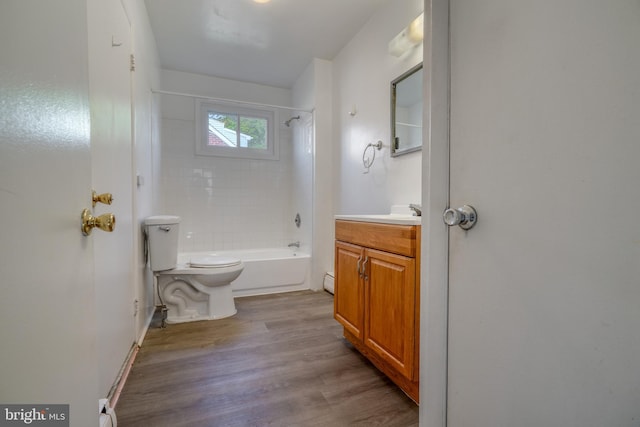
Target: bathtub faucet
(294,244)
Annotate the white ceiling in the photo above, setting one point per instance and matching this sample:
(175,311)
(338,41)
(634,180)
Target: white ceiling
(269,44)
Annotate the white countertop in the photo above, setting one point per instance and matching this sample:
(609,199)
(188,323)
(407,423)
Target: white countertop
(384,219)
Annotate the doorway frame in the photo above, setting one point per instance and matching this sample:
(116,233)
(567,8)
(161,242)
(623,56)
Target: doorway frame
(434,300)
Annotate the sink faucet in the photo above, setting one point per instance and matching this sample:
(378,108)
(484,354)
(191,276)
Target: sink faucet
(416,208)
(294,244)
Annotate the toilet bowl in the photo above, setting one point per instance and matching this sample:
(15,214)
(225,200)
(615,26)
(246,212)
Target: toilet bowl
(196,288)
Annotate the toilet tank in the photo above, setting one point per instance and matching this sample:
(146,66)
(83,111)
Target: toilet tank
(162,239)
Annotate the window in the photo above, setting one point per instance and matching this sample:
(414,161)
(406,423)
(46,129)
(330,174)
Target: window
(234,131)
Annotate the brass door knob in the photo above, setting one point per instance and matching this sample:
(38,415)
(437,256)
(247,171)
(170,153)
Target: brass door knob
(105,198)
(106,222)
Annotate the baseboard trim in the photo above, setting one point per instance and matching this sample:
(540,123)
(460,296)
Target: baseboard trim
(114,393)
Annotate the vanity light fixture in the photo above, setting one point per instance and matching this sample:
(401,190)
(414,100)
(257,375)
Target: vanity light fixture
(408,38)
(261,1)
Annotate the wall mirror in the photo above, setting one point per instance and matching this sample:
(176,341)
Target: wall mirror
(406,112)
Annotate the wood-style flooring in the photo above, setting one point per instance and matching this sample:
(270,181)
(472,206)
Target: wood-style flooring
(280,361)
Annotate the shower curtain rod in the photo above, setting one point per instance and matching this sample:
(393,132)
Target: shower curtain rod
(257,104)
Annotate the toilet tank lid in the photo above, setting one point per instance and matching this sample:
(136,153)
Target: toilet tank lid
(162,219)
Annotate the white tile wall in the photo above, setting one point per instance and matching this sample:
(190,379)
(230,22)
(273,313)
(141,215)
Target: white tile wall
(227,203)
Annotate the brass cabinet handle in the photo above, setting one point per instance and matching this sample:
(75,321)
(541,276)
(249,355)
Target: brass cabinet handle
(106,222)
(361,266)
(105,198)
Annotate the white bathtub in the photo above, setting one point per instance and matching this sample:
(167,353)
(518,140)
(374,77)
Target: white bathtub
(266,271)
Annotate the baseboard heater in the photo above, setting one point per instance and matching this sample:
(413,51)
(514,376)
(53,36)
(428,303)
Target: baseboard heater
(329,281)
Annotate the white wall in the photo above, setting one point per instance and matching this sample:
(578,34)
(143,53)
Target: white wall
(145,137)
(313,90)
(111,162)
(120,277)
(224,203)
(362,74)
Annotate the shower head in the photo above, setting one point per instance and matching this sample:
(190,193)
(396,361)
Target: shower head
(287,123)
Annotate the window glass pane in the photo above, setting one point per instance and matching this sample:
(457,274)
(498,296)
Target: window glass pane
(253,132)
(236,131)
(222,129)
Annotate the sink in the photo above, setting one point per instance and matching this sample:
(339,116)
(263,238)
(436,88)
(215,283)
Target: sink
(400,219)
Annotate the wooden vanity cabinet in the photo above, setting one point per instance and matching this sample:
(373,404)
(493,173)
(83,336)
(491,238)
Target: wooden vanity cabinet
(376,296)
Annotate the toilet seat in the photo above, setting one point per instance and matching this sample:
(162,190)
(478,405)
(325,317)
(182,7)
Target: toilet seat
(213,261)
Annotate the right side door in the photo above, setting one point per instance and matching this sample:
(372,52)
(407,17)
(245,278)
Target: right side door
(544,291)
(390,307)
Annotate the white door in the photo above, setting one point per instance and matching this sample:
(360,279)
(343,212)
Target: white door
(47,298)
(111,154)
(544,292)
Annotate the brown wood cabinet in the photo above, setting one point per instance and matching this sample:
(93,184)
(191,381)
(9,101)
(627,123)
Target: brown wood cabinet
(376,296)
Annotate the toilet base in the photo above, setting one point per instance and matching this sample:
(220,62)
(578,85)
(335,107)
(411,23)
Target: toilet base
(193,318)
(189,301)
(221,302)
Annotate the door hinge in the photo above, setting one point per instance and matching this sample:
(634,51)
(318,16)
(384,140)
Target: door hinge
(132,63)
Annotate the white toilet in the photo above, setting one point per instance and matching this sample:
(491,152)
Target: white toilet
(198,288)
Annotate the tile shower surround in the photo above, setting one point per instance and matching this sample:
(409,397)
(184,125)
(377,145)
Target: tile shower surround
(226,203)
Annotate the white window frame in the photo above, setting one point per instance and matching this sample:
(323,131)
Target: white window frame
(203,107)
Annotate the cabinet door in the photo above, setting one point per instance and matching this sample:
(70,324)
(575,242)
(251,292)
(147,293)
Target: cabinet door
(348,302)
(390,307)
